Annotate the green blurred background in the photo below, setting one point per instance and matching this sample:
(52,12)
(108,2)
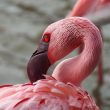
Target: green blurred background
(21,25)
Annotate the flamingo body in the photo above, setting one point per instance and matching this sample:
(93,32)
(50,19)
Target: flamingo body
(45,94)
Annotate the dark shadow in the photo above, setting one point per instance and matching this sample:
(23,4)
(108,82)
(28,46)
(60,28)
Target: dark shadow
(97,95)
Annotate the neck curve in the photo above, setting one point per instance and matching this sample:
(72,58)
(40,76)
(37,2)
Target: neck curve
(76,69)
(83,7)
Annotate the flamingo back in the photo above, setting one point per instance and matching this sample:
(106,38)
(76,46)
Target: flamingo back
(45,94)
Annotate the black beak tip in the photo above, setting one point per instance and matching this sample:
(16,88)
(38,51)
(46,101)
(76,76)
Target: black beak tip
(38,66)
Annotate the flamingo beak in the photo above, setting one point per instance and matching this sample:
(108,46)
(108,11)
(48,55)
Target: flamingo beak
(38,63)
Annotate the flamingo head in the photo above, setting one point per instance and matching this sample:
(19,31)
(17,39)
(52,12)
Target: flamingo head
(59,39)
(63,38)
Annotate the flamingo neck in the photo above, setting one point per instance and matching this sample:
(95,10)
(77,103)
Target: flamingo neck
(84,7)
(87,60)
(76,69)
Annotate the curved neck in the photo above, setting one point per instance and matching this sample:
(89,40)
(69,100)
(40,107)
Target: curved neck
(82,7)
(76,69)
(88,59)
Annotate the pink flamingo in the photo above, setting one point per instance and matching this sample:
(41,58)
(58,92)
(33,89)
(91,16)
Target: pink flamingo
(60,91)
(82,8)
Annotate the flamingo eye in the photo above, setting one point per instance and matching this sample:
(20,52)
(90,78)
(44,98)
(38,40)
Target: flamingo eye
(46,38)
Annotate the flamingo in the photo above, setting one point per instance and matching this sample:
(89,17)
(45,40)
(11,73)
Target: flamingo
(62,90)
(84,7)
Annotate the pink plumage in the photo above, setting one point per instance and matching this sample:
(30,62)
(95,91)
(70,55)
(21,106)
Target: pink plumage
(45,94)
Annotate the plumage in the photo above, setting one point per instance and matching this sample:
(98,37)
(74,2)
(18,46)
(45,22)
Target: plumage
(45,94)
